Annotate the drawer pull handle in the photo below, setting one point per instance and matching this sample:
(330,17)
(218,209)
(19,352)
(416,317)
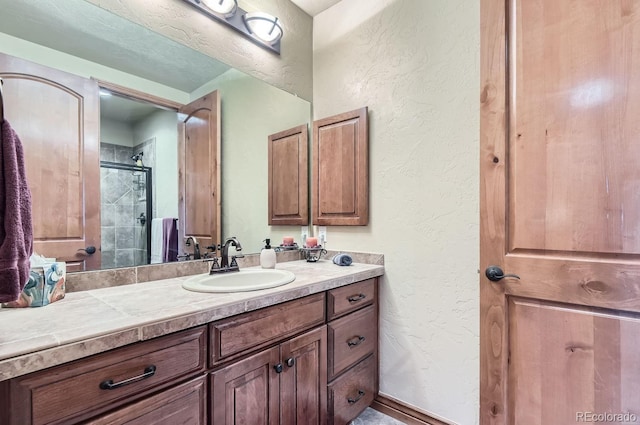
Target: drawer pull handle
(149,371)
(357,399)
(356,298)
(356,340)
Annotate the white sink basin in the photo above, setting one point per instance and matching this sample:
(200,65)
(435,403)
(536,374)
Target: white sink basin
(244,280)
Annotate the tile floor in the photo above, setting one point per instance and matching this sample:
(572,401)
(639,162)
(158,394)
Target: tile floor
(373,417)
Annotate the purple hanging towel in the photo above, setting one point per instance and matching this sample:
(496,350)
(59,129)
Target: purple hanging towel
(16,228)
(169,240)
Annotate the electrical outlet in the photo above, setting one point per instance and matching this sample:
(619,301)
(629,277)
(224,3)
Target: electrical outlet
(304,233)
(322,235)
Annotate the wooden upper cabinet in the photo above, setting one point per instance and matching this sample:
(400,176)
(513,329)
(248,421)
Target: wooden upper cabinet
(199,171)
(288,177)
(341,170)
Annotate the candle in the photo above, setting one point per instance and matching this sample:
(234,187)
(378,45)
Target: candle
(287,241)
(312,242)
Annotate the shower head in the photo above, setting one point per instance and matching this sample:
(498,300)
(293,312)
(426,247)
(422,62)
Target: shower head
(138,159)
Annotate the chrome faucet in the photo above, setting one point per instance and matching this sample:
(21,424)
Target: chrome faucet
(196,247)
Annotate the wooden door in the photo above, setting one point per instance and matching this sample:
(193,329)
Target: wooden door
(288,177)
(199,171)
(248,391)
(57,117)
(303,382)
(560,207)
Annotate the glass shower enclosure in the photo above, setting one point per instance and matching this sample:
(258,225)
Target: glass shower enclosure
(126,213)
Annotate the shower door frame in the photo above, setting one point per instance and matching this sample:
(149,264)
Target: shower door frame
(149,195)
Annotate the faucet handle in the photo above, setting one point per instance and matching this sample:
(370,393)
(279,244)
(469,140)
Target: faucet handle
(184,256)
(234,263)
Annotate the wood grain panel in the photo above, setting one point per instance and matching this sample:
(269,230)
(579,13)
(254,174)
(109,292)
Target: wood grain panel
(72,391)
(56,116)
(288,177)
(247,392)
(576,93)
(184,404)
(304,384)
(560,372)
(199,171)
(346,299)
(352,392)
(253,330)
(341,169)
(351,338)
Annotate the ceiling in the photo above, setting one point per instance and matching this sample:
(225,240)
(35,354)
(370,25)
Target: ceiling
(313,7)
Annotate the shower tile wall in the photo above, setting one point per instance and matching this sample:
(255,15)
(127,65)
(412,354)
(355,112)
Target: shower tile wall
(124,241)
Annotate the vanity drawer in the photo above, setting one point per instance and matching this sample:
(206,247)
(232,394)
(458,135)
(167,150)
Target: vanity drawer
(257,329)
(77,390)
(345,299)
(353,392)
(185,404)
(351,338)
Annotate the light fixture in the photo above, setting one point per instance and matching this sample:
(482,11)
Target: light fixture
(224,8)
(261,28)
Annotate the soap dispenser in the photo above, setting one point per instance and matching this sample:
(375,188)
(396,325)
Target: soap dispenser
(268,256)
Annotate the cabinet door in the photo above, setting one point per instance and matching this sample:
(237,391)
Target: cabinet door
(303,382)
(184,404)
(248,391)
(288,177)
(340,171)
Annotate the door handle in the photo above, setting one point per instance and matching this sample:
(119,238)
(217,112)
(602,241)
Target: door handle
(495,273)
(89,250)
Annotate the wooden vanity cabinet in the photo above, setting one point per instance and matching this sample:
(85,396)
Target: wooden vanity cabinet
(284,383)
(312,360)
(352,350)
(83,389)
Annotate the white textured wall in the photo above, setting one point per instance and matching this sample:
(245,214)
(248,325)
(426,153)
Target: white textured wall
(291,70)
(415,64)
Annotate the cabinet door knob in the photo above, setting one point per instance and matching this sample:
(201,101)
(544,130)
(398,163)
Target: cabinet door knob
(278,368)
(290,362)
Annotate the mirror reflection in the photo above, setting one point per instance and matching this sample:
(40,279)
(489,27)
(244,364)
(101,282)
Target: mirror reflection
(139,171)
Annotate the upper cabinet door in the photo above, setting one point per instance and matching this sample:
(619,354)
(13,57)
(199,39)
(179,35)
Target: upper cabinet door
(288,177)
(199,171)
(57,117)
(341,170)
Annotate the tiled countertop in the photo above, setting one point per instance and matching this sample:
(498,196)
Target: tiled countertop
(93,321)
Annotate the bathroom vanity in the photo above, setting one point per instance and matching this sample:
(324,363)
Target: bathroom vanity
(303,353)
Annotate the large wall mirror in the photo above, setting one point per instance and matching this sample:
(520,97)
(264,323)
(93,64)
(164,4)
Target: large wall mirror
(138,151)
